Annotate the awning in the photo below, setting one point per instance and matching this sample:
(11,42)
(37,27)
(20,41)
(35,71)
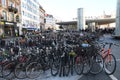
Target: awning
(31,28)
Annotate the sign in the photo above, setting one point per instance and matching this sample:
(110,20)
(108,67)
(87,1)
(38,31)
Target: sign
(18,24)
(9,23)
(2,23)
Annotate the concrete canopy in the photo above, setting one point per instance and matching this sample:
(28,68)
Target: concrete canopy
(98,21)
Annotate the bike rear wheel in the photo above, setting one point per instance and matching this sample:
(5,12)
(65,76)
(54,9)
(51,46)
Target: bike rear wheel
(87,62)
(34,70)
(67,68)
(54,68)
(97,64)
(1,70)
(19,71)
(79,65)
(109,64)
(7,69)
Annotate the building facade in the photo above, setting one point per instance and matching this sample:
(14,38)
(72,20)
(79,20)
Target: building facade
(50,21)
(10,17)
(42,18)
(30,14)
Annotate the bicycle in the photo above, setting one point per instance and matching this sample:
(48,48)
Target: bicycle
(79,66)
(109,59)
(55,63)
(64,67)
(86,58)
(97,59)
(16,66)
(38,66)
(24,60)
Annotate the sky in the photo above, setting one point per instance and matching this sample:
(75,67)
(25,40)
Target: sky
(66,10)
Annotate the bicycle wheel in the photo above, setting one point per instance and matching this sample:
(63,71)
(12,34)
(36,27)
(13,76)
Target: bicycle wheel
(1,70)
(110,64)
(78,65)
(34,70)
(87,62)
(54,68)
(19,71)
(97,64)
(67,68)
(71,67)
(8,69)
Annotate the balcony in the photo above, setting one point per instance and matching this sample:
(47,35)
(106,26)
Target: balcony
(10,8)
(2,17)
(15,10)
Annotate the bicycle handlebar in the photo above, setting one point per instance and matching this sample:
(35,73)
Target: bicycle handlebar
(109,43)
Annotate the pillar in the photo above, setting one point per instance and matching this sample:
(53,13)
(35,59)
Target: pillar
(91,26)
(81,19)
(117,29)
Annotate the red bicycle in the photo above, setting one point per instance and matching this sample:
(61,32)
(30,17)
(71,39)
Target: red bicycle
(109,58)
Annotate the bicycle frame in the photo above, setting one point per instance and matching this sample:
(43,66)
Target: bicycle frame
(107,52)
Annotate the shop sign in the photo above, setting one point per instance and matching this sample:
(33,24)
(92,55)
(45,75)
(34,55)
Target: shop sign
(9,23)
(2,23)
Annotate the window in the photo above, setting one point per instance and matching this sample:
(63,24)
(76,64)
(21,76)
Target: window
(4,15)
(12,16)
(11,4)
(22,4)
(17,18)
(22,12)
(18,8)
(4,3)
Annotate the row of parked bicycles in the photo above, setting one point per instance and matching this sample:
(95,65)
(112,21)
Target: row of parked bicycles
(63,56)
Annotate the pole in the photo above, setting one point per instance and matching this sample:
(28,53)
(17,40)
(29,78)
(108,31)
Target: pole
(117,29)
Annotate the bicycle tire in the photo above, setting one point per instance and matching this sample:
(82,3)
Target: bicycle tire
(34,70)
(67,68)
(78,65)
(19,71)
(71,67)
(8,69)
(87,65)
(54,68)
(60,69)
(1,70)
(110,63)
(97,64)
